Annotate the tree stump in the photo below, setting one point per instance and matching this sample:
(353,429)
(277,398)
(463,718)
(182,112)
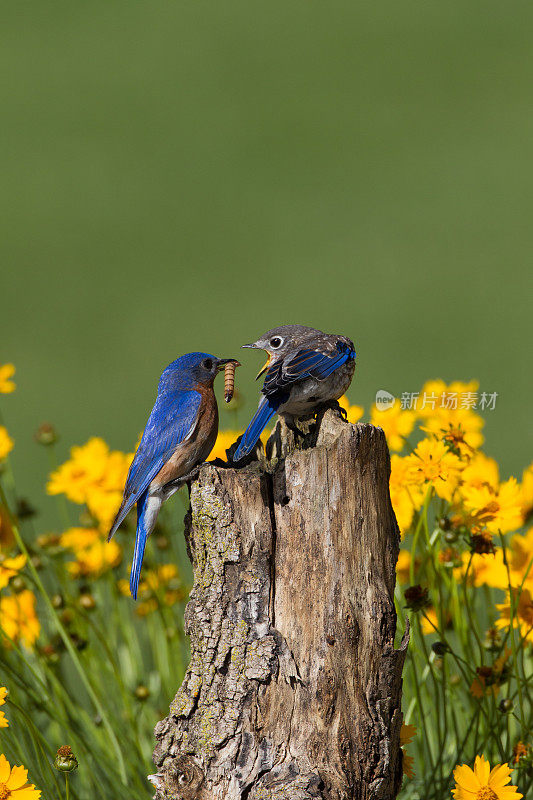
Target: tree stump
(294,686)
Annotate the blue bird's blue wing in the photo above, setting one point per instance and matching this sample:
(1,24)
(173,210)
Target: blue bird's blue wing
(266,410)
(172,420)
(306,363)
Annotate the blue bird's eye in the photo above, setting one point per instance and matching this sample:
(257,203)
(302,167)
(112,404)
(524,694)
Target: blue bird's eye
(276,342)
(207,364)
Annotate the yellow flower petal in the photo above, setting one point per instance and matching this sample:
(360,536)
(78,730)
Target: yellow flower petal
(17,779)
(28,792)
(500,775)
(466,779)
(5,769)
(482,770)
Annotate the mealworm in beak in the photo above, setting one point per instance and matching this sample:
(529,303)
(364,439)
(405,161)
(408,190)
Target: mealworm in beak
(229,380)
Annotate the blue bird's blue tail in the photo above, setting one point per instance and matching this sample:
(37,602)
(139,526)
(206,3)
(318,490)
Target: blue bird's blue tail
(144,528)
(267,408)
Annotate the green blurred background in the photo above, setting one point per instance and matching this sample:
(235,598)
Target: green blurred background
(184,175)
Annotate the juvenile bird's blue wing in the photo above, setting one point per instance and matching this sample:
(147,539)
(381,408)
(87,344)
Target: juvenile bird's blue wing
(172,421)
(266,410)
(306,363)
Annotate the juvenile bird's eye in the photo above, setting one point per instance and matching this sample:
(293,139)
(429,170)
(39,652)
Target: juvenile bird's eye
(276,342)
(207,364)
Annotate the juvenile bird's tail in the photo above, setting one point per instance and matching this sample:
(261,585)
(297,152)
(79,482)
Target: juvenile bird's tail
(265,412)
(147,510)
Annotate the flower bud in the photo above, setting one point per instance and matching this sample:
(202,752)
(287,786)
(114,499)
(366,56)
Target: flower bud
(65,760)
(450,537)
(46,434)
(142,692)
(18,584)
(87,601)
(50,653)
(440,648)
(505,705)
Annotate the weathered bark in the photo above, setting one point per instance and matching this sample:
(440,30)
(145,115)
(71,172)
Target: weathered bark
(294,685)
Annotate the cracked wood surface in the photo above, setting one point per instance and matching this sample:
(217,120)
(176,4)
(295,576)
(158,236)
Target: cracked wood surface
(294,686)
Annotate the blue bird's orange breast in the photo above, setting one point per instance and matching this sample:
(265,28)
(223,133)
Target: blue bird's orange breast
(196,448)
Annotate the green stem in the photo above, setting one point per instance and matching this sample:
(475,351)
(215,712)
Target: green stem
(512,601)
(67,642)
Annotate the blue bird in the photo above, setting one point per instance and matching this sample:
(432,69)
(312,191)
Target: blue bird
(179,435)
(304,370)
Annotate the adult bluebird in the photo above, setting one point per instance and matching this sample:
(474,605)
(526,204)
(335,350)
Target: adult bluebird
(179,435)
(304,370)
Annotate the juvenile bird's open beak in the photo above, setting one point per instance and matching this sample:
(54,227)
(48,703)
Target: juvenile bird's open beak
(263,369)
(223,361)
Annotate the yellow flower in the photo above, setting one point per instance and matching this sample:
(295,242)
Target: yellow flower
(407,734)
(497,510)
(482,783)
(481,471)
(93,554)
(433,463)
(440,406)
(490,569)
(14,783)
(486,569)
(6,372)
(405,498)
(6,442)
(162,581)
(4,722)
(9,567)
(353,413)
(103,505)
(91,468)
(396,424)
(522,613)
(18,619)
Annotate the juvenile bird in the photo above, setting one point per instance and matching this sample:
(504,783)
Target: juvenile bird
(179,435)
(305,369)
